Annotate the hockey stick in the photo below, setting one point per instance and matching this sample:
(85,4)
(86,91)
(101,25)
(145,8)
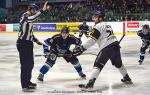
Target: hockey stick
(124,33)
(38,55)
(61,55)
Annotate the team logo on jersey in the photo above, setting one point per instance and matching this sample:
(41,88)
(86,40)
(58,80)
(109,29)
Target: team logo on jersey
(51,40)
(53,56)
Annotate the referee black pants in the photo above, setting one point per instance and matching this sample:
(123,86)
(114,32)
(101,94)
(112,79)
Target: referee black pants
(25,49)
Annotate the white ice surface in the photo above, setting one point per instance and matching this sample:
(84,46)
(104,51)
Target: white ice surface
(62,78)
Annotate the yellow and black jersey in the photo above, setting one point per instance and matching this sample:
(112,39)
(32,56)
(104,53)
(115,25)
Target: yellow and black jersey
(102,34)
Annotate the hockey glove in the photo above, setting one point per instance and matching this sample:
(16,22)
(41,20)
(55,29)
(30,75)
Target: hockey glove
(78,50)
(46,51)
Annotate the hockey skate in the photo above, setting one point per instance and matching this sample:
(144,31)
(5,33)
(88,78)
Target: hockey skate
(32,85)
(88,86)
(40,78)
(149,51)
(127,79)
(28,89)
(140,62)
(82,75)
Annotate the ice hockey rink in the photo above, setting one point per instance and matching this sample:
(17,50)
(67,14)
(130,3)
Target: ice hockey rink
(62,79)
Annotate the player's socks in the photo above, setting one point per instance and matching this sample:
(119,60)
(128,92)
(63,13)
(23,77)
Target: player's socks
(95,73)
(79,70)
(122,70)
(142,56)
(43,71)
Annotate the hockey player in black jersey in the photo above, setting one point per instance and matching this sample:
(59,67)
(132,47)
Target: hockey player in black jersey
(145,36)
(59,47)
(83,29)
(109,48)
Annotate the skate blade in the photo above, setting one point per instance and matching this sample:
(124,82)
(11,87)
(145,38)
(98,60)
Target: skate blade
(35,87)
(83,88)
(38,81)
(128,82)
(28,90)
(83,78)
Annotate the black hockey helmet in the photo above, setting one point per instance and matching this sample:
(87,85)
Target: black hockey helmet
(146,26)
(65,29)
(99,14)
(84,22)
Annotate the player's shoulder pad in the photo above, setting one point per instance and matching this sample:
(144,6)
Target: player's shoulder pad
(100,26)
(71,36)
(74,37)
(140,31)
(56,36)
(80,25)
(95,34)
(87,25)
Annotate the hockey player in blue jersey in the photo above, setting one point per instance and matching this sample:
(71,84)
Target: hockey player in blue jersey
(83,29)
(59,47)
(145,36)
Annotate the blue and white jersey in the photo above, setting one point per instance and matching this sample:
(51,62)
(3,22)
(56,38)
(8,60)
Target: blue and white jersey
(145,36)
(61,45)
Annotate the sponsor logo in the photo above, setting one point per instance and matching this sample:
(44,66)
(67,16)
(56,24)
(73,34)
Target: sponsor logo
(45,27)
(16,27)
(72,26)
(133,25)
(2,27)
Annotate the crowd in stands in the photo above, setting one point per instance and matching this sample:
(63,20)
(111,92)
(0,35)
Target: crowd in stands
(115,10)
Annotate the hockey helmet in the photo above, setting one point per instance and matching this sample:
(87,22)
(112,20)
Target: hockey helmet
(99,14)
(146,26)
(84,22)
(65,29)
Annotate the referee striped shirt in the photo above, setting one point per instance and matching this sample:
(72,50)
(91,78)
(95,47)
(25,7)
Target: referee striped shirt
(26,26)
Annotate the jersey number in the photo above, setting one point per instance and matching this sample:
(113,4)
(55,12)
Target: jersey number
(110,32)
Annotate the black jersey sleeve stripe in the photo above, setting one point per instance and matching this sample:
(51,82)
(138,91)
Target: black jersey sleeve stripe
(34,38)
(32,18)
(49,41)
(95,34)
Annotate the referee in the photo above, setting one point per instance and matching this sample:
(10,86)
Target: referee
(25,45)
